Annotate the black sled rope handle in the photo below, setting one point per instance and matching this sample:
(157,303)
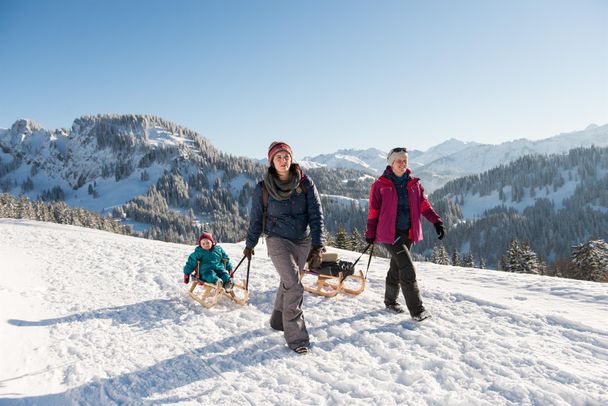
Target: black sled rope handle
(370,258)
(364,251)
(248,267)
(237,267)
(369,262)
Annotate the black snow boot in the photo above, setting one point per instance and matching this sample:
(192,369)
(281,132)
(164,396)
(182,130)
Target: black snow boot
(422,315)
(395,307)
(302,350)
(228,286)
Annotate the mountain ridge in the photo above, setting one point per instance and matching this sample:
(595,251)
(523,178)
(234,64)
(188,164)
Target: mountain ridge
(453,158)
(162,178)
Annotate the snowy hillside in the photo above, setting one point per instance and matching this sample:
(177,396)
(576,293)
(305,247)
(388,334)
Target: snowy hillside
(88,317)
(100,162)
(162,179)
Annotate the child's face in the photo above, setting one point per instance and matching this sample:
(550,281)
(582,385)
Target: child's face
(206,244)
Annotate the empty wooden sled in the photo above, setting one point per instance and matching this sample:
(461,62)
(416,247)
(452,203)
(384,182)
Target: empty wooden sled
(208,294)
(333,277)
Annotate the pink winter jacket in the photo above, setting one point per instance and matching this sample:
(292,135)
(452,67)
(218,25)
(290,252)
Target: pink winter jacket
(382,216)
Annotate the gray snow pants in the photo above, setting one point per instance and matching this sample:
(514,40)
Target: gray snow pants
(289,258)
(402,274)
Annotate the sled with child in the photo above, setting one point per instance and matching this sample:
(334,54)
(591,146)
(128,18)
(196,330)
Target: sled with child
(208,294)
(334,276)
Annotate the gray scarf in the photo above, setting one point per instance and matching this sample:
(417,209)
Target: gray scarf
(280,190)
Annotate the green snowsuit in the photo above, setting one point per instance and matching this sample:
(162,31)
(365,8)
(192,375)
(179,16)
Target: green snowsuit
(214,263)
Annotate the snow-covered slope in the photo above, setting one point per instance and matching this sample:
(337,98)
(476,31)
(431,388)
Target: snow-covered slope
(88,317)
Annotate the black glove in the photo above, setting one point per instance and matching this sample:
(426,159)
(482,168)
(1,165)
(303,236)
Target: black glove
(248,252)
(314,256)
(439,229)
(369,240)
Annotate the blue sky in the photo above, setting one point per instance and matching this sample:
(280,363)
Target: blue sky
(321,75)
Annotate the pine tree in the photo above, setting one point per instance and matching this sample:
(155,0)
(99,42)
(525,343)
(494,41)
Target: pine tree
(342,240)
(456,261)
(435,254)
(444,258)
(328,239)
(529,262)
(357,243)
(520,258)
(469,261)
(591,260)
(509,260)
(440,255)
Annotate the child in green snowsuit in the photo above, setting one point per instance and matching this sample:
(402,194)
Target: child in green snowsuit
(214,263)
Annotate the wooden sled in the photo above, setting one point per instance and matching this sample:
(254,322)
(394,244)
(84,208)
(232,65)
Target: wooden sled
(330,280)
(208,294)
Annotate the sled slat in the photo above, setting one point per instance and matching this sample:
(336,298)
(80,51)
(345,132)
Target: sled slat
(212,292)
(330,286)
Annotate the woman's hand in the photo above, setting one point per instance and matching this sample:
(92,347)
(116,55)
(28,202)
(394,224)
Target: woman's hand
(314,256)
(439,229)
(248,252)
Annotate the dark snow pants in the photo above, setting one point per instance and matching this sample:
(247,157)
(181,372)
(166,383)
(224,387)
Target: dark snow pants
(402,274)
(289,258)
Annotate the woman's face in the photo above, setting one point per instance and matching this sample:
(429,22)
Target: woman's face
(282,162)
(399,165)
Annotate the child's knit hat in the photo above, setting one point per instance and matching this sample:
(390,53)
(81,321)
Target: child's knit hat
(208,236)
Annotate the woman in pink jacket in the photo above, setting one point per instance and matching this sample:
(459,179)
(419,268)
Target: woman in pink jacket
(396,201)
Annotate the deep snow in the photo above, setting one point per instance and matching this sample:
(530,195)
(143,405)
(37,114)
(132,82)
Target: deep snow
(89,317)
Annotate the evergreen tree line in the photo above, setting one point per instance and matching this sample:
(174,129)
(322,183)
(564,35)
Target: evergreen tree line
(550,228)
(588,261)
(57,212)
(550,233)
(441,256)
(530,175)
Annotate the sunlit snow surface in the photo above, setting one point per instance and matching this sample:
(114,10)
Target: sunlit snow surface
(89,317)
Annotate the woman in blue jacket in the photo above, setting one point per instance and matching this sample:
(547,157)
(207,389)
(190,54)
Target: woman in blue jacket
(287,208)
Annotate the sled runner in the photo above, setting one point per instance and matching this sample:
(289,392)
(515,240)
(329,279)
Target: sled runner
(333,277)
(208,294)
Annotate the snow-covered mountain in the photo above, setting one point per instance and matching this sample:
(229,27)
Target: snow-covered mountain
(106,320)
(156,176)
(453,158)
(481,157)
(371,160)
(120,157)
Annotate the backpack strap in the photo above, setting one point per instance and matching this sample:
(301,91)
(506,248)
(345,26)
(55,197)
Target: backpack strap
(265,197)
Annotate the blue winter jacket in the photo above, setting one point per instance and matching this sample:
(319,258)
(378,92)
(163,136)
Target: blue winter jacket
(289,218)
